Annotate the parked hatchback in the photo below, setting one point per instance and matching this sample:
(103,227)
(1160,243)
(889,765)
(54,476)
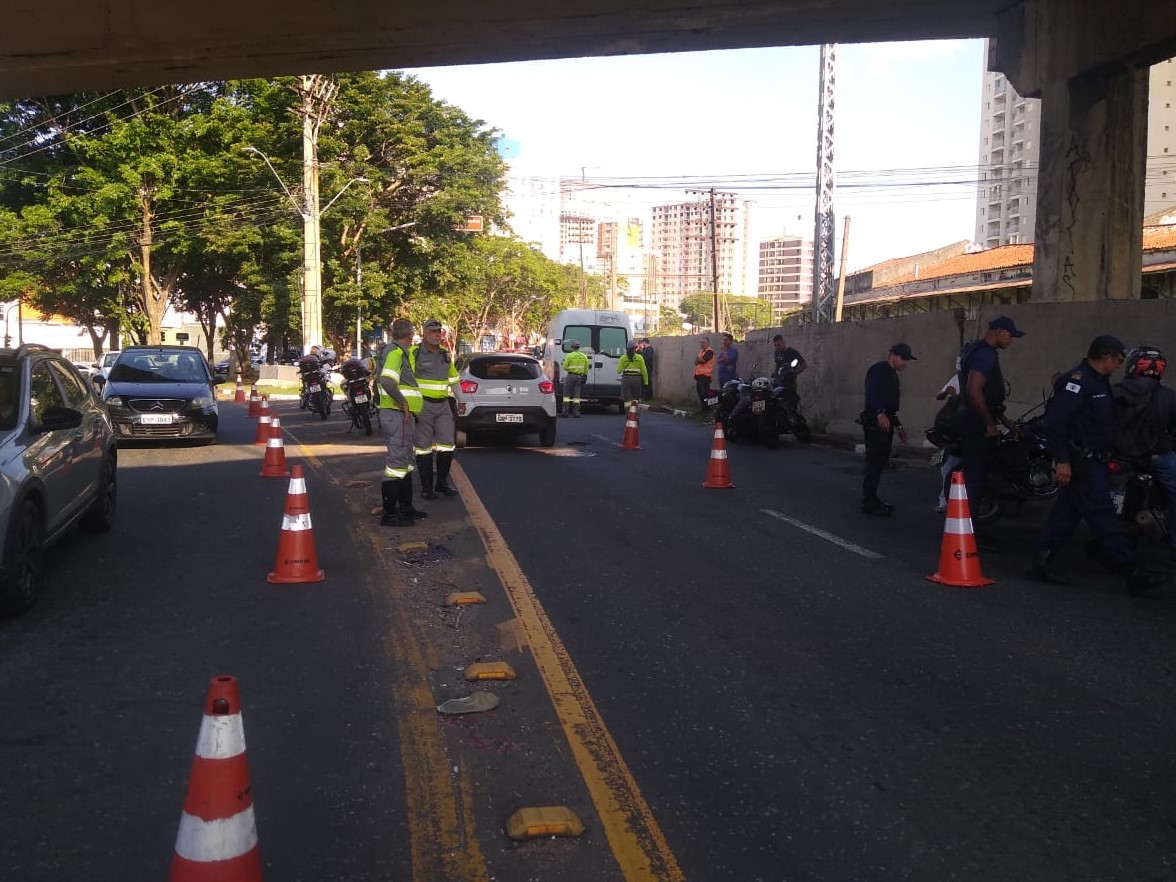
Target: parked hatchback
(58,465)
(162,392)
(506,394)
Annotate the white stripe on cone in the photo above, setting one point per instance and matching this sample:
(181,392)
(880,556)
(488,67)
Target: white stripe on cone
(297,487)
(718,454)
(221,737)
(958,491)
(221,840)
(296,523)
(958,526)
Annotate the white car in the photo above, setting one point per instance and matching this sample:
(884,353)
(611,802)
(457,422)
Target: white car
(102,368)
(505,393)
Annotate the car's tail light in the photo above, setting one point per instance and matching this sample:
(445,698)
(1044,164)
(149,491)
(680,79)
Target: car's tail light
(469,387)
(546,387)
(1114,467)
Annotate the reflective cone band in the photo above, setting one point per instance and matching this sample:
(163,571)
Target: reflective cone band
(217,839)
(629,439)
(296,561)
(717,477)
(263,433)
(276,427)
(274,465)
(254,403)
(959,561)
(263,408)
(239,395)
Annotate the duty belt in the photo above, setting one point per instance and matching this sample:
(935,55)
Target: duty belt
(632,373)
(1100,456)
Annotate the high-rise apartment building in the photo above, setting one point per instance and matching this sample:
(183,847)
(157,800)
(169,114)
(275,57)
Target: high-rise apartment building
(785,273)
(694,249)
(1010,141)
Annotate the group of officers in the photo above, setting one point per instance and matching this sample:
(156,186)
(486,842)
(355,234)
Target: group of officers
(1080,426)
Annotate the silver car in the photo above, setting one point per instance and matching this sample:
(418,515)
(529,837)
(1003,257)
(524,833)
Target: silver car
(58,466)
(505,394)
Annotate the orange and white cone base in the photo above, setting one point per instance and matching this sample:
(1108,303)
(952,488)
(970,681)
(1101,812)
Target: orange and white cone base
(717,475)
(217,839)
(297,561)
(254,403)
(959,559)
(239,394)
(274,465)
(629,440)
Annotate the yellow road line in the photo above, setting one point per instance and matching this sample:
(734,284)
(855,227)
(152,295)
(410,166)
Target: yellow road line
(633,834)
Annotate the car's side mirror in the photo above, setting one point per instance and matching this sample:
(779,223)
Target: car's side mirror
(56,419)
(99,381)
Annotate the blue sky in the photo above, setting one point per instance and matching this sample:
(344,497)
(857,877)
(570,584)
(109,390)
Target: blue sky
(753,112)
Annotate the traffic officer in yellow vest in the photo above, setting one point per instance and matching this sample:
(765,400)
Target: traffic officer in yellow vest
(400,402)
(575,368)
(634,376)
(436,376)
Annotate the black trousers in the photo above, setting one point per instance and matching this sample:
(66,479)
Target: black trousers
(1088,497)
(976,452)
(879,443)
(702,384)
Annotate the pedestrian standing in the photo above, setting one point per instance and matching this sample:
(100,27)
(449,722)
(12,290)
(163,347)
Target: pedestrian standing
(400,401)
(728,360)
(646,351)
(1079,429)
(951,459)
(983,388)
(575,368)
(704,368)
(436,427)
(633,373)
(880,421)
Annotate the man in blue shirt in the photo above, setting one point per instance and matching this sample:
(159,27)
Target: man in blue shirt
(728,360)
(1080,433)
(880,421)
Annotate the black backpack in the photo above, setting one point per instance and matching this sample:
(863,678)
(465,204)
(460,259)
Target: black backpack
(1135,434)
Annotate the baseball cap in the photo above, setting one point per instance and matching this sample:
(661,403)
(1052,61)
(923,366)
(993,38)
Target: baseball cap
(903,351)
(1109,344)
(1004,323)
(432,325)
(575,344)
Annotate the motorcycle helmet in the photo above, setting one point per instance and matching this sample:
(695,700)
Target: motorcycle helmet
(1146,361)
(731,386)
(761,383)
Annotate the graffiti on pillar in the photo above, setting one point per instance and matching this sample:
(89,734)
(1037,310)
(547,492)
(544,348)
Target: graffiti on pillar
(1077,164)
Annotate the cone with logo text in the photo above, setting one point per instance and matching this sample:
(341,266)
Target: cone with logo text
(717,476)
(959,560)
(239,394)
(632,423)
(217,839)
(262,435)
(296,561)
(274,465)
(254,403)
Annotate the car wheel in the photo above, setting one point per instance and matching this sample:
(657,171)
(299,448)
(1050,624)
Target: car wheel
(460,439)
(100,517)
(621,407)
(24,561)
(547,435)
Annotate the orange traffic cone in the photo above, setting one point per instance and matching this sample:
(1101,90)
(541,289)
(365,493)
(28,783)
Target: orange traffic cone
(254,403)
(239,395)
(263,408)
(959,561)
(717,476)
(296,561)
(629,439)
(217,839)
(275,454)
(262,435)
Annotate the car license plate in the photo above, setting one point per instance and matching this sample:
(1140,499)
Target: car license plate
(361,399)
(758,406)
(509,417)
(156,419)
(312,388)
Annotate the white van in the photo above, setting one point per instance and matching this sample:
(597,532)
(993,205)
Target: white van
(603,335)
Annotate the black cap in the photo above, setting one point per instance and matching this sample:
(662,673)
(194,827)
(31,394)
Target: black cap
(1004,323)
(1108,345)
(903,351)
(432,325)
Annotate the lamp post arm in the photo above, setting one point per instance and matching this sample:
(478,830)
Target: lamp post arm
(278,178)
(323,210)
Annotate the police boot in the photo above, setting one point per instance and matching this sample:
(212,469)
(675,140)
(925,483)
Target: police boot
(444,461)
(1144,583)
(425,467)
(1041,570)
(405,502)
(391,493)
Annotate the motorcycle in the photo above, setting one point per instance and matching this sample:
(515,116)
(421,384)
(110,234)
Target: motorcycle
(316,388)
(791,420)
(358,401)
(1138,498)
(759,418)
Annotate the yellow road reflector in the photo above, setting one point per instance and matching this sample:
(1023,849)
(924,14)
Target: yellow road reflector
(409,547)
(498,670)
(464,598)
(547,820)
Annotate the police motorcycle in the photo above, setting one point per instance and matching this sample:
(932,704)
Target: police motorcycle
(358,401)
(758,419)
(790,419)
(314,376)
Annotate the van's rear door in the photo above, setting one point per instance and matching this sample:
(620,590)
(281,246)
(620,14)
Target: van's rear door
(603,382)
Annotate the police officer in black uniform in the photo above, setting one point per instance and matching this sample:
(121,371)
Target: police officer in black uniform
(880,421)
(1080,432)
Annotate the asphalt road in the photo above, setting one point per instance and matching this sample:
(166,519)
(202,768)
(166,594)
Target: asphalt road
(790,696)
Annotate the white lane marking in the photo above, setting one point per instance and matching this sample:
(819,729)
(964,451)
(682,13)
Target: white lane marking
(836,540)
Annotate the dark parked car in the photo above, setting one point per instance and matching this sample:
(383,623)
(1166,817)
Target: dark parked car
(58,465)
(162,392)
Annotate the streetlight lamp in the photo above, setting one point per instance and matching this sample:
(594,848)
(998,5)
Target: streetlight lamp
(311,212)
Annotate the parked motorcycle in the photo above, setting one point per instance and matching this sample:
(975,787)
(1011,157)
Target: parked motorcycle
(791,420)
(316,387)
(358,403)
(1138,498)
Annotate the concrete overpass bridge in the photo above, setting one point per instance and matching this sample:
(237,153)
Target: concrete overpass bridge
(1087,60)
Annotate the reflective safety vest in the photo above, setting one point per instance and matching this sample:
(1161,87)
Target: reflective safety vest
(396,367)
(576,362)
(633,367)
(435,372)
(707,368)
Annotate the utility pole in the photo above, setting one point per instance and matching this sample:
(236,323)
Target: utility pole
(714,257)
(823,295)
(841,274)
(318,95)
